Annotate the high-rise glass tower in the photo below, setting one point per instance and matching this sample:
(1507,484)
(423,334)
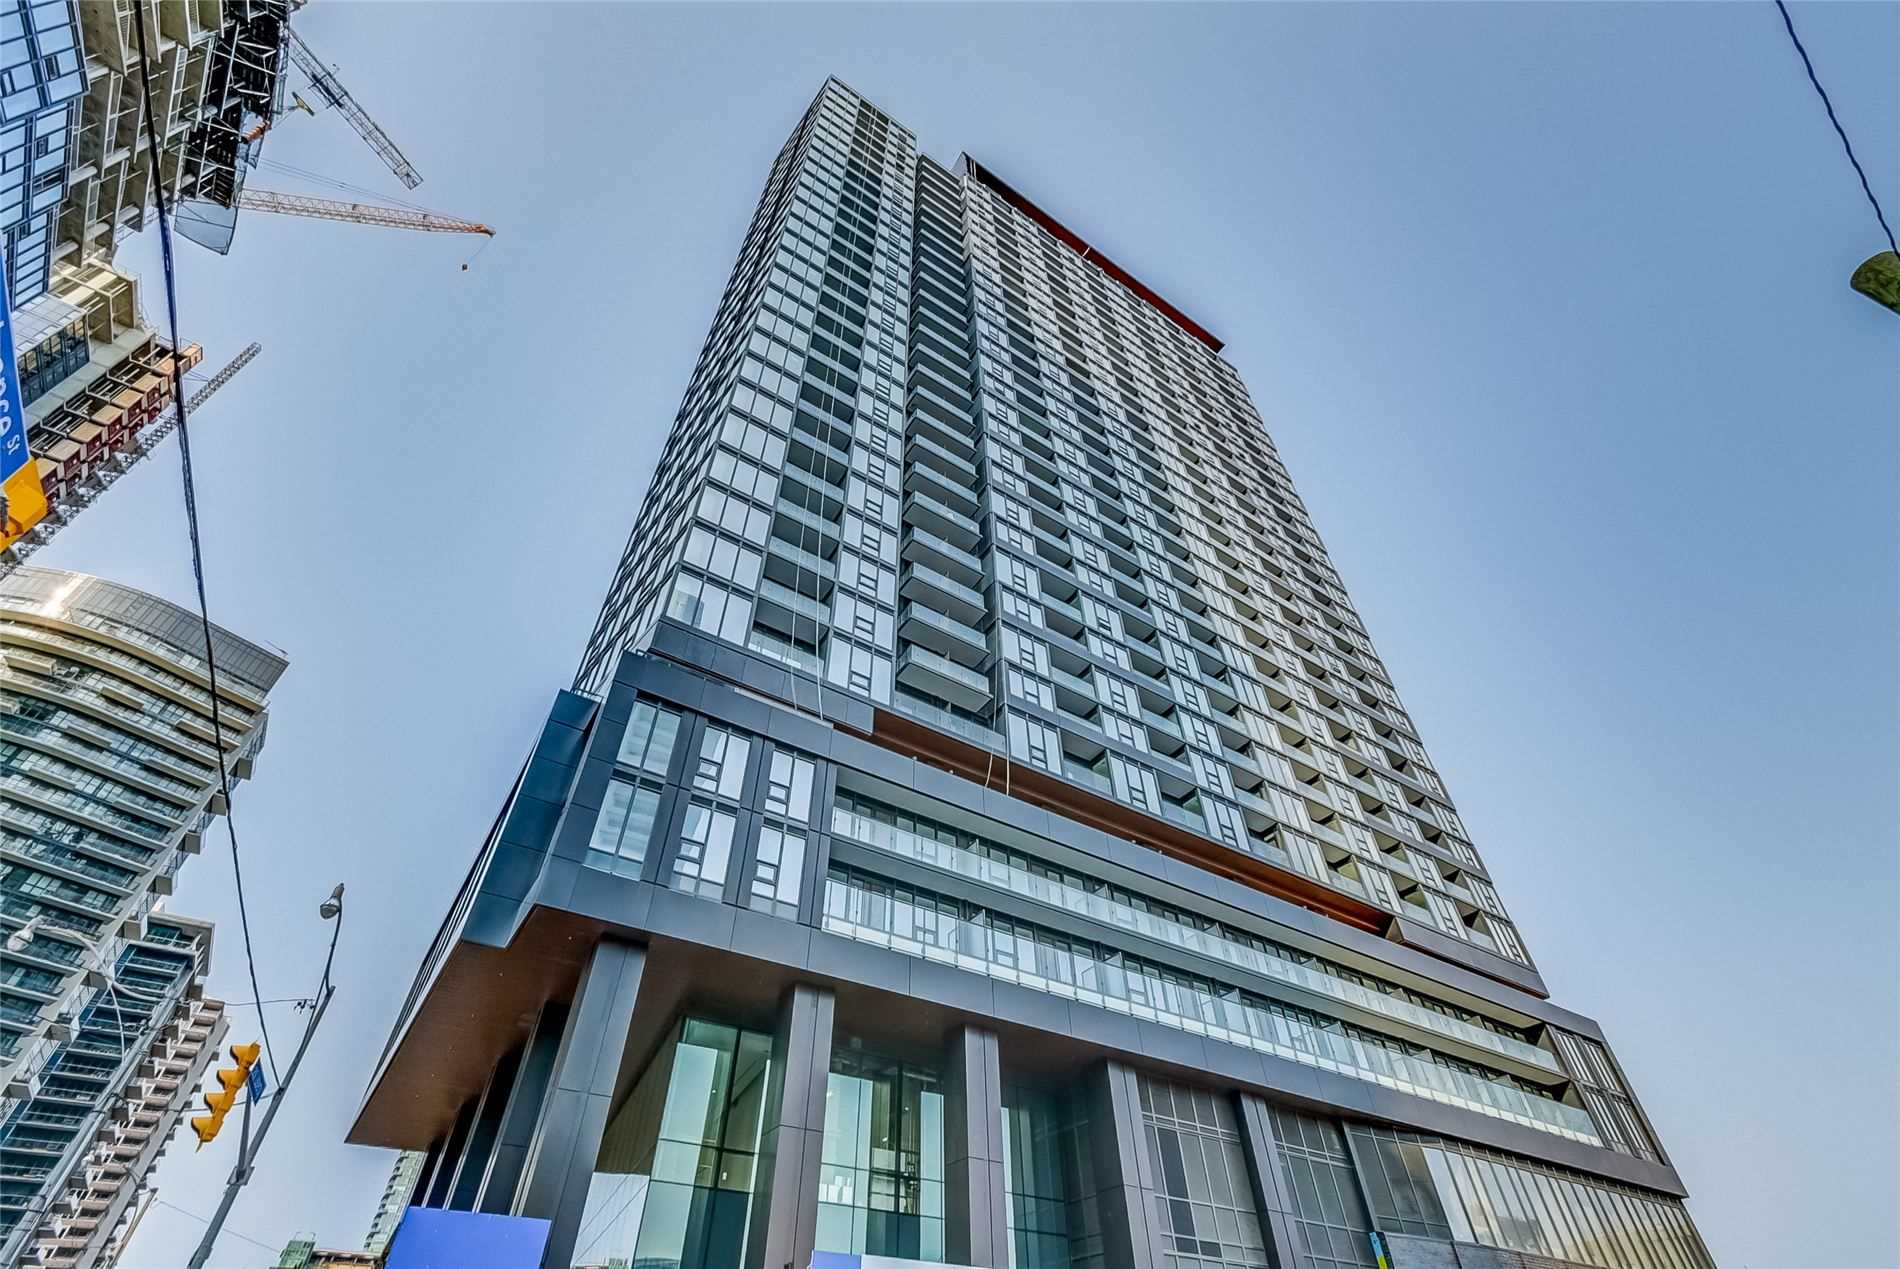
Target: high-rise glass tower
(982,830)
(403,1175)
(108,783)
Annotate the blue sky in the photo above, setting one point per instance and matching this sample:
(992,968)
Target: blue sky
(1546,308)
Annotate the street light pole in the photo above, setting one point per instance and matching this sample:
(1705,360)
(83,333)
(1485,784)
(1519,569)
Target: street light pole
(248,1144)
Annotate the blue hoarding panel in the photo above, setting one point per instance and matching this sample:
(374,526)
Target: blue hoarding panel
(835,1260)
(431,1238)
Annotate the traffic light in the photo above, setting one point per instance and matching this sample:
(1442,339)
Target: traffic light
(220,1102)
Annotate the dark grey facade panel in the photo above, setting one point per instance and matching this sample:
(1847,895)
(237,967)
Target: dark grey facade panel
(791,1140)
(573,1117)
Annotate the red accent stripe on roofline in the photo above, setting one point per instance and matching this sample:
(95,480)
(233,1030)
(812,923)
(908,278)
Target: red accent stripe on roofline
(1087,252)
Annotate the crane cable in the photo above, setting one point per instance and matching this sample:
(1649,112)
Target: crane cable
(191,524)
(1839,131)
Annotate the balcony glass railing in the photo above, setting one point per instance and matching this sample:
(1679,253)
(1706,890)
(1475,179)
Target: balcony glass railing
(928,542)
(1071,897)
(949,586)
(1005,950)
(969,729)
(944,668)
(965,634)
(68,860)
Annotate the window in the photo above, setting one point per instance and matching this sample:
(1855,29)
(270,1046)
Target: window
(1204,1204)
(1320,1182)
(780,871)
(710,608)
(1045,1178)
(624,828)
(788,786)
(722,759)
(676,1166)
(648,741)
(705,850)
(881,1175)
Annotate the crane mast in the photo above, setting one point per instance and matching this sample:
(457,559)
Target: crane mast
(331,89)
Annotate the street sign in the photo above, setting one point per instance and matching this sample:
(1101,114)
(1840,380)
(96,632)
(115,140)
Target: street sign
(255,1084)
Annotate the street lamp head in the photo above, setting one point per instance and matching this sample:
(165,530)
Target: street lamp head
(333,906)
(18,939)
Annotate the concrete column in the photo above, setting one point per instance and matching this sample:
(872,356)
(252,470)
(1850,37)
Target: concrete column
(502,1178)
(784,1219)
(1269,1183)
(560,1160)
(444,1177)
(425,1179)
(481,1136)
(1124,1173)
(976,1224)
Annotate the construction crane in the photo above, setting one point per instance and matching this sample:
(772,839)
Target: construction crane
(264,200)
(331,89)
(108,472)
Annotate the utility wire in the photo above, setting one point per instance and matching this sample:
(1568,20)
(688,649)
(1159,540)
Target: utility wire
(227,1229)
(1839,131)
(191,522)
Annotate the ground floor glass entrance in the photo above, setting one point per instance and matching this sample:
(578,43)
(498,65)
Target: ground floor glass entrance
(674,1180)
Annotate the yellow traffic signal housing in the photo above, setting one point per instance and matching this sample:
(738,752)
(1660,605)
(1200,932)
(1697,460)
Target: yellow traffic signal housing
(220,1102)
(1879,279)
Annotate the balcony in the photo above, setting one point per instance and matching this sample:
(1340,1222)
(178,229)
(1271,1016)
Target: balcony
(796,567)
(946,636)
(920,668)
(947,595)
(1067,616)
(783,609)
(811,527)
(953,439)
(1186,818)
(957,493)
(801,489)
(955,468)
(64,861)
(924,547)
(921,510)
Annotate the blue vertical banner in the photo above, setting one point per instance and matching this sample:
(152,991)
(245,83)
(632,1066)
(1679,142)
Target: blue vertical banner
(22,499)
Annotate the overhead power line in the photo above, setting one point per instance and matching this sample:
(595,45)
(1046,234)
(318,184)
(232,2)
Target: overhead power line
(191,524)
(1867,189)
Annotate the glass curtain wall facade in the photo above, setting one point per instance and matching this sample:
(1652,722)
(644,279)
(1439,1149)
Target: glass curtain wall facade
(42,78)
(974,669)
(108,783)
(1046,1175)
(881,1188)
(674,1180)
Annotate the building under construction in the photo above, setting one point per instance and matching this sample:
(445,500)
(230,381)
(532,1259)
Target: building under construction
(106,1191)
(215,74)
(93,374)
(93,421)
